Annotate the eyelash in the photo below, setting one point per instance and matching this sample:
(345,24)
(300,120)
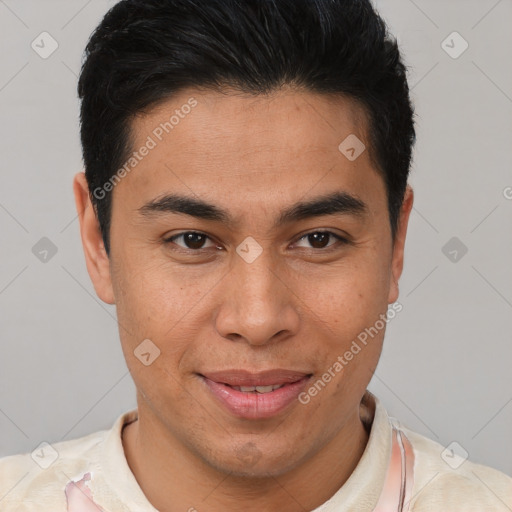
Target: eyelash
(341,240)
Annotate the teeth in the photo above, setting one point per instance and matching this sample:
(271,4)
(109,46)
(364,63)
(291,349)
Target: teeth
(257,389)
(264,389)
(247,389)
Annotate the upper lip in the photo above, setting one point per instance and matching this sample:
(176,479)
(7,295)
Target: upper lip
(245,378)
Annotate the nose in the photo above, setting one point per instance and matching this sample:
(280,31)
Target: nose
(258,304)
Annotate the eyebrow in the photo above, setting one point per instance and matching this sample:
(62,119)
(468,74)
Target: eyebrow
(336,203)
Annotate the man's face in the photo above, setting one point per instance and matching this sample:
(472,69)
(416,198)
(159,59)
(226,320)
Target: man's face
(252,291)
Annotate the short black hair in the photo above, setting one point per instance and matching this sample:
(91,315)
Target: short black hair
(144,51)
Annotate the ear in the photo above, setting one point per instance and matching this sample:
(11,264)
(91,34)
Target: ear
(397,263)
(96,258)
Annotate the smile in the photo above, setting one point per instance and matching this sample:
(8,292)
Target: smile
(255,395)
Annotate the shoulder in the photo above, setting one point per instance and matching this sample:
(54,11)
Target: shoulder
(445,480)
(37,480)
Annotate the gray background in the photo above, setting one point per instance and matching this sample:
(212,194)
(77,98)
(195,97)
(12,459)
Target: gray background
(445,369)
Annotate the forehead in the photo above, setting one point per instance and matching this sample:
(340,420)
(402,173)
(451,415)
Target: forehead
(299,119)
(224,145)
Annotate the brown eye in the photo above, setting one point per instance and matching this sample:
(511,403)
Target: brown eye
(192,240)
(320,239)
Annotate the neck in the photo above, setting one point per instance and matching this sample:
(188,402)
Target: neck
(176,480)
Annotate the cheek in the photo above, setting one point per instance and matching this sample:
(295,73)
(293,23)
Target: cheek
(347,304)
(152,298)
(154,305)
(166,306)
(351,294)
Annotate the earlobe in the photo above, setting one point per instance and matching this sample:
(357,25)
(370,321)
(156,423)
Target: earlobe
(96,258)
(397,263)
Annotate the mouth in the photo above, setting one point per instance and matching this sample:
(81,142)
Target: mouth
(255,395)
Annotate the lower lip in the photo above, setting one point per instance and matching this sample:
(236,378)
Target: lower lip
(256,405)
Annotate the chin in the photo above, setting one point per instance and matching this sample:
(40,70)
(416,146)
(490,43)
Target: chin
(259,472)
(249,462)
